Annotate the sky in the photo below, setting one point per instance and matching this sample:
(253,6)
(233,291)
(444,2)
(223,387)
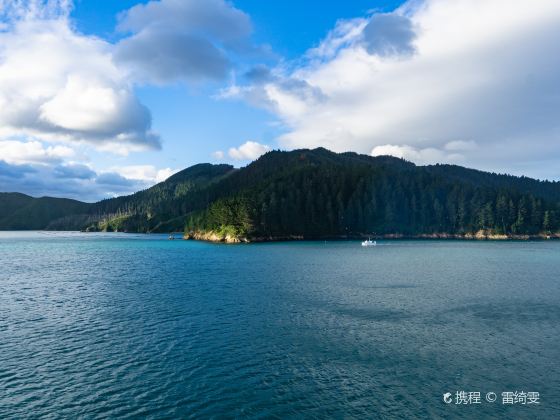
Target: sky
(100,98)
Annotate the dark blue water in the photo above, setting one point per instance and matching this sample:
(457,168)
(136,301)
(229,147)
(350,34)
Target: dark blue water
(128,326)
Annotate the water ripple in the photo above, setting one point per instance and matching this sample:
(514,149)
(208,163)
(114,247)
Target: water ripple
(117,326)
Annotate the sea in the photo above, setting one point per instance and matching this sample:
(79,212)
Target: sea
(110,325)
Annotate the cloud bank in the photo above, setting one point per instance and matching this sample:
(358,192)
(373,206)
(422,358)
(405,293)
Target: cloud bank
(46,176)
(434,72)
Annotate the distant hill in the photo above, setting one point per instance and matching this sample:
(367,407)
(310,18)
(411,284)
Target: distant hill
(311,194)
(21,212)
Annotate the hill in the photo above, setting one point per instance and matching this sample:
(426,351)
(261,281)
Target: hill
(22,212)
(311,194)
(319,194)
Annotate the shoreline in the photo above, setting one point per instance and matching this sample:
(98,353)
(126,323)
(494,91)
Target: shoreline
(215,237)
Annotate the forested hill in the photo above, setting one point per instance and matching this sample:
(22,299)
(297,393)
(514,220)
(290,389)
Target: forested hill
(315,194)
(22,212)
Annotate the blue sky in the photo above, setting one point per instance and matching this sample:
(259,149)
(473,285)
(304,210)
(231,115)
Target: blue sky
(275,22)
(102,98)
(191,122)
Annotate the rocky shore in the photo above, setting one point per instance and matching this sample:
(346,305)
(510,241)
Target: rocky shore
(213,236)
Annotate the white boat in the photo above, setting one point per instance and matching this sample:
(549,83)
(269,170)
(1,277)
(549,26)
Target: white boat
(369,242)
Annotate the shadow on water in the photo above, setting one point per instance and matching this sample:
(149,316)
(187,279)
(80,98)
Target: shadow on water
(393,286)
(521,311)
(370,314)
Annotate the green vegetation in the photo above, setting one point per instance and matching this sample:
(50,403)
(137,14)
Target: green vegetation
(311,194)
(21,212)
(225,217)
(318,194)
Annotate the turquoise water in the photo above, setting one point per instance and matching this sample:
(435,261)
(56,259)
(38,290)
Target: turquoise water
(136,326)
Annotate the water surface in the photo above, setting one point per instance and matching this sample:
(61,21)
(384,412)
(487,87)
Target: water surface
(116,325)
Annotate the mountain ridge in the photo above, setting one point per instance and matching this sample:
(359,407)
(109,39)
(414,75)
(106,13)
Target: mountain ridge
(311,194)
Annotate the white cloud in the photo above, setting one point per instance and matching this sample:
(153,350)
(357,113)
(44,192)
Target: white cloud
(147,173)
(426,156)
(483,70)
(89,106)
(218,155)
(21,152)
(63,93)
(59,85)
(249,150)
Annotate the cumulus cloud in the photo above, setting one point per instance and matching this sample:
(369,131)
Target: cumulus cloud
(59,90)
(59,85)
(188,40)
(249,150)
(148,173)
(422,77)
(62,91)
(20,152)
